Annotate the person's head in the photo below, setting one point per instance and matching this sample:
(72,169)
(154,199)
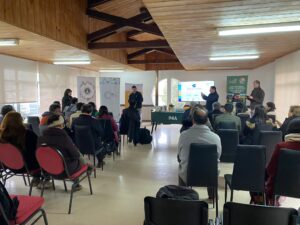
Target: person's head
(216,106)
(228,107)
(87,109)
(134,88)
(74,100)
(79,106)
(56,121)
(68,92)
(6,109)
(55,109)
(260,113)
(294,126)
(240,107)
(103,110)
(12,127)
(256,84)
(294,111)
(270,107)
(93,105)
(56,102)
(212,89)
(199,116)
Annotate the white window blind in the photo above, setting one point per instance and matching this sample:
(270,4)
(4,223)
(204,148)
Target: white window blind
(18,80)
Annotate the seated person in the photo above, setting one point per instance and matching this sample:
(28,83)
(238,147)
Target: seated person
(292,142)
(198,133)
(132,115)
(241,109)
(228,117)
(294,112)
(259,121)
(270,108)
(76,114)
(94,109)
(103,114)
(69,110)
(86,119)
(55,136)
(216,106)
(6,109)
(54,109)
(13,131)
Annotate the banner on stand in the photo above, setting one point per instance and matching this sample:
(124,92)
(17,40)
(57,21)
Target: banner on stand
(237,88)
(86,90)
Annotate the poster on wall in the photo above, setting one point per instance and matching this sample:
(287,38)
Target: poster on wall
(128,91)
(237,88)
(110,95)
(86,90)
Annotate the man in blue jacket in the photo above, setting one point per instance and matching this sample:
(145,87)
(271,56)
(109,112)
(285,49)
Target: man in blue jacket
(211,98)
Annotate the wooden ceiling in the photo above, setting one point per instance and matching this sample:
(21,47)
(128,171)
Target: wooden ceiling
(190,27)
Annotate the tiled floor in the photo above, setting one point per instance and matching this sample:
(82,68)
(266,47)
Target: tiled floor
(120,189)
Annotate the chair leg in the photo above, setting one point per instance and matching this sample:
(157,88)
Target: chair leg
(214,198)
(44,216)
(30,189)
(225,191)
(65,185)
(217,200)
(264,198)
(71,197)
(231,195)
(94,160)
(53,184)
(43,187)
(28,179)
(89,157)
(24,180)
(90,184)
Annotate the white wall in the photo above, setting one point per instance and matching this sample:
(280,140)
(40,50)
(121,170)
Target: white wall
(287,83)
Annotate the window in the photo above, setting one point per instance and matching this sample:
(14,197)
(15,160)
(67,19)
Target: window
(162,93)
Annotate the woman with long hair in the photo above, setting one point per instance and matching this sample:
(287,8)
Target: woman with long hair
(104,114)
(67,99)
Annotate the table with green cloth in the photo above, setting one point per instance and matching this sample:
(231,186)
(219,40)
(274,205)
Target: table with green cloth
(165,118)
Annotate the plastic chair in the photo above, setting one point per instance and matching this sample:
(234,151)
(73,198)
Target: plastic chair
(248,170)
(160,211)
(202,169)
(269,139)
(12,160)
(35,124)
(53,164)
(85,142)
(241,214)
(287,179)
(108,137)
(28,208)
(230,140)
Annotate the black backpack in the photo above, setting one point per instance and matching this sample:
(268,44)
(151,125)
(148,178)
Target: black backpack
(145,136)
(10,206)
(177,193)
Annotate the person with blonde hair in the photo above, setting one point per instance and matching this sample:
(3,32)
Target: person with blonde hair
(294,112)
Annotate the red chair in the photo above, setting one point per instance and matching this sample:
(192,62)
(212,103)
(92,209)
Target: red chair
(53,164)
(11,160)
(29,207)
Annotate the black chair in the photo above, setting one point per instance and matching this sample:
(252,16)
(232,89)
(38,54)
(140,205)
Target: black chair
(202,169)
(241,214)
(108,137)
(226,125)
(85,142)
(160,211)
(287,179)
(244,118)
(269,139)
(259,128)
(230,141)
(35,124)
(248,170)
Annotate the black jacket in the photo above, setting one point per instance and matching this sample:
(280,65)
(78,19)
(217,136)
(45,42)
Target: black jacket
(66,101)
(210,99)
(258,95)
(58,138)
(94,124)
(133,117)
(136,97)
(285,125)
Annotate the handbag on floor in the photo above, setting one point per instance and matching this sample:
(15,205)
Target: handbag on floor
(145,136)
(177,192)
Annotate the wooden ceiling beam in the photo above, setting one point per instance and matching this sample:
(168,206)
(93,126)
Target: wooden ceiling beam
(113,29)
(165,61)
(130,44)
(139,53)
(166,51)
(94,3)
(125,22)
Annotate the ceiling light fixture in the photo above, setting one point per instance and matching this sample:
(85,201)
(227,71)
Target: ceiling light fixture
(9,42)
(222,68)
(231,58)
(72,62)
(259,29)
(111,70)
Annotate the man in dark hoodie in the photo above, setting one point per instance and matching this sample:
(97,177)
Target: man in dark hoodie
(257,96)
(54,109)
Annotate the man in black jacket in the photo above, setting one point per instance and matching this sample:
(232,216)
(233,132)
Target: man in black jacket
(85,119)
(257,96)
(211,98)
(137,98)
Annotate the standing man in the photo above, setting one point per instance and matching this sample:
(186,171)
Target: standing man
(137,98)
(211,98)
(257,95)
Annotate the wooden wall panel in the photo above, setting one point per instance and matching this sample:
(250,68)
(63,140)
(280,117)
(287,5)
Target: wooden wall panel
(162,57)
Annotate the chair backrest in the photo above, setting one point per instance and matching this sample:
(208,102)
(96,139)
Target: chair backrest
(244,118)
(11,157)
(35,124)
(202,168)
(258,128)
(249,168)
(84,139)
(50,160)
(242,214)
(269,139)
(287,179)
(226,125)
(160,211)
(108,134)
(230,140)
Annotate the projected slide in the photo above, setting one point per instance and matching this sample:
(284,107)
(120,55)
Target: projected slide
(191,91)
